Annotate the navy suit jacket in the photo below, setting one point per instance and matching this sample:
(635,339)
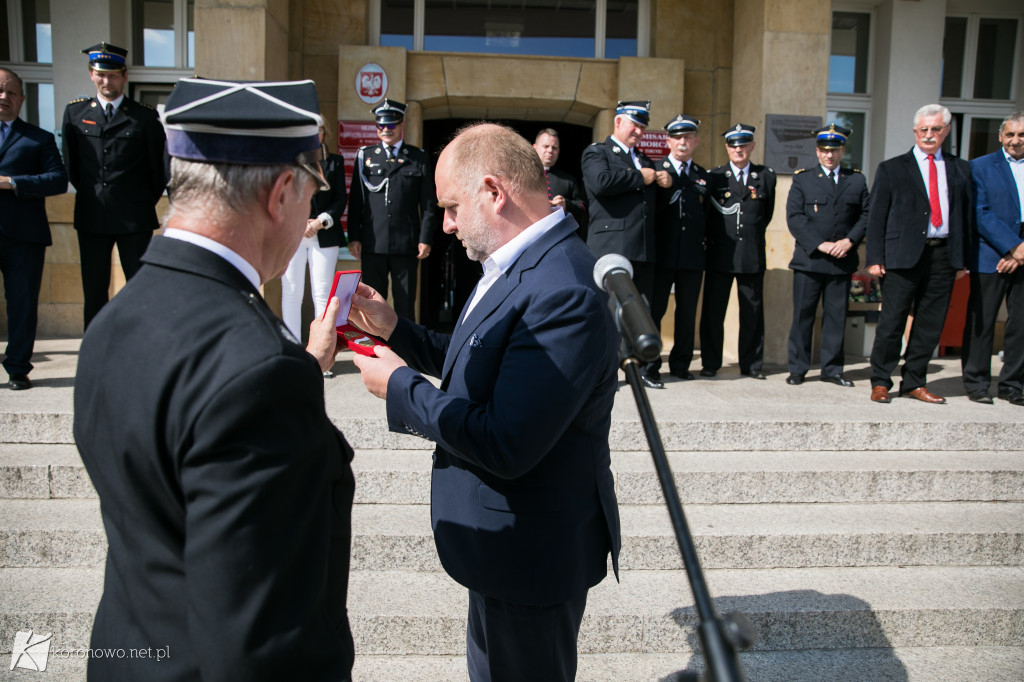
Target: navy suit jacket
(997,212)
(29,156)
(522,503)
(899,214)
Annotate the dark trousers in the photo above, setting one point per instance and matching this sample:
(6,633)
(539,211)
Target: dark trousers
(687,284)
(510,642)
(94,250)
(750,294)
(643,279)
(834,293)
(21,264)
(987,293)
(402,269)
(925,288)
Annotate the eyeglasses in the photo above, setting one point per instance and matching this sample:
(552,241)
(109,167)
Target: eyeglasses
(934,130)
(310,162)
(387,126)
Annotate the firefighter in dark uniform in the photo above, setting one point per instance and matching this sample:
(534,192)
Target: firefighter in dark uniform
(391,209)
(680,216)
(743,195)
(114,153)
(827,213)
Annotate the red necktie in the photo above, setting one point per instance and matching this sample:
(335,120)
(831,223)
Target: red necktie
(933,191)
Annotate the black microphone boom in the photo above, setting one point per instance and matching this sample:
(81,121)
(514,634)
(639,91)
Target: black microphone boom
(614,274)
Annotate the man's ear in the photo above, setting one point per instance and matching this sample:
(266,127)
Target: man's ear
(495,189)
(280,193)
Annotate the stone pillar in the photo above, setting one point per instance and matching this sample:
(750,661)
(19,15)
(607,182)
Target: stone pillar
(242,39)
(780,66)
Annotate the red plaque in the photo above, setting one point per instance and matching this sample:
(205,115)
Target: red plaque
(351,136)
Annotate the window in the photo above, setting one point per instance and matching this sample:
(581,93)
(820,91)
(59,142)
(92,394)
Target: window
(557,28)
(163,33)
(978,57)
(26,47)
(855,121)
(848,59)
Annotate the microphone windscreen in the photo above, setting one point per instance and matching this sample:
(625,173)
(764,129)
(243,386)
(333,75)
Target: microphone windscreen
(607,263)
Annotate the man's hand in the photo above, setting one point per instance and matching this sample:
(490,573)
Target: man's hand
(423,250)
(959,274)
(826,247)
(376,371)
(559,201)
(841,248)
(371,313)
(313,226)
(663,179)
(876,270)
(356,249)
(649,175)
(1018,253)
(5,182)
(1007,264)
(323,337)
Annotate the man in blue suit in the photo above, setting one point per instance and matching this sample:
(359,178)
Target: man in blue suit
(523,505)
(30,170)
(996,268)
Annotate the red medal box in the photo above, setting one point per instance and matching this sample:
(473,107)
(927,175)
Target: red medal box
(345,283)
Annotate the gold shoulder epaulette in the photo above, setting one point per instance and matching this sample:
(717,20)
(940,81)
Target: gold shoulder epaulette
(799,171)
(80,99)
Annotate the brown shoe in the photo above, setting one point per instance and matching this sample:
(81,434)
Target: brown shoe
(880,394)
(925,396)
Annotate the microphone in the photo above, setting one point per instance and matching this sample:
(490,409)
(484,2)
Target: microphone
(614,274)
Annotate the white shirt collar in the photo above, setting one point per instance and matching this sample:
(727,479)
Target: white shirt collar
(104,101)
(242,265)
(826,171)
(394,147)
(922,156)
(621,144)
(736,171)
(1010,159)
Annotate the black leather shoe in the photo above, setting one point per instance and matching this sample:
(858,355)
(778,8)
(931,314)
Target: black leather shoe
(753,375)
(20,382)
(980,396)
(795,379)
(838,380)
(1011,396)
(651,381)
(708,372)
(685,376)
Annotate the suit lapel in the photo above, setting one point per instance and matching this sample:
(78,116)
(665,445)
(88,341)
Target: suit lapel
(12,132)
(618,153)
(914,171)
(1002,168)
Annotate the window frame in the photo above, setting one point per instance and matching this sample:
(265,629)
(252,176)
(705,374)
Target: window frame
(971,55)
(872,29)
(857,102)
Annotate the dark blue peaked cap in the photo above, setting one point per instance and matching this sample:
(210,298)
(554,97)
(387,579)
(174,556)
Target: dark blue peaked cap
(238,122)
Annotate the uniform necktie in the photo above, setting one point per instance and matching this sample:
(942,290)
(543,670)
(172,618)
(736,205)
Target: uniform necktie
(387,150)
(933,191)
(109,112)
(832,179)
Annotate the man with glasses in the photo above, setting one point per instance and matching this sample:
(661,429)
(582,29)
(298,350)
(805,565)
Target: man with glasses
(919,224)
(114,153)
(827,213)
(391,209)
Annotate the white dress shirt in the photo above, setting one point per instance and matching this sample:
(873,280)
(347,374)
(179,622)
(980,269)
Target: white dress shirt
(1017,170)
(942,231)
(242,265)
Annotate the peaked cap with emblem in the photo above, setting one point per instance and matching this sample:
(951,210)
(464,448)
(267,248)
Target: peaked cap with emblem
(682,124)
(739,134)
(389,111)
(832,136)
(638,111)
(105,57)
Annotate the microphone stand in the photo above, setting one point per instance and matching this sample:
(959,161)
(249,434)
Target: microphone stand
(720,638)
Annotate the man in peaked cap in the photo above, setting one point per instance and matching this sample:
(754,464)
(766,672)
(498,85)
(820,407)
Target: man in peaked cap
(619,180)
(225,490)
(827,214)
(681,216)
(391,210)
(114,153)
(743,194)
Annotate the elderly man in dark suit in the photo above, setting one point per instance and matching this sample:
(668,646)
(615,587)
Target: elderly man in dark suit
(226,491)
(619,180)
(827,213)
(919,225)
(391,209)
(114,153)
(564,190)
(523,504)
(996,268)
(682,212)
(744,197)
(30,169)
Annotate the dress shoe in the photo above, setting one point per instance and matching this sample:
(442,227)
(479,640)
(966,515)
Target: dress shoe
(880,394)
(795,379)
(652,380)
(980,396)
(924,395)
(685,376)
(753,375)
(1011,396)
(838,380)
(708,372)
(20,382)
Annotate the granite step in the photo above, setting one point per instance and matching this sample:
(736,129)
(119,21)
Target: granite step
(403,476)
(402,613)
(40,533)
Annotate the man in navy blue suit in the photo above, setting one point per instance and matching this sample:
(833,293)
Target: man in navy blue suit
(523,505)
(30,170)
(996,269)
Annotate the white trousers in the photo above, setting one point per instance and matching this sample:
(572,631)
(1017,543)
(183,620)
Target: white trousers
(322,264)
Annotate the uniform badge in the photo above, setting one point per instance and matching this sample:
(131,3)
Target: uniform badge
(93,105)
(665,164)
(616,149)
(728,174)
(377,150)
(753,192)
(753,174)
(701,181)
(727,194)
(815,208)
(368,162)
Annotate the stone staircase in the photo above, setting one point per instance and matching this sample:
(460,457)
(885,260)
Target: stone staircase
(886,548)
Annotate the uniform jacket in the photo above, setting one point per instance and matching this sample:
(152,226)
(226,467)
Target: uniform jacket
(820,210)
(621,206)
(29,156)
(900,213)
(561,183)
(736,242)
(332,201)
(997,211)
(225,490)
(682,213)
(118,168)
(400,215)
(522,503)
